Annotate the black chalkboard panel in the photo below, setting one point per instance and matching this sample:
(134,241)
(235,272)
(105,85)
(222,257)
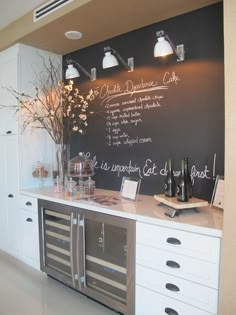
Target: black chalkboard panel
(164,109)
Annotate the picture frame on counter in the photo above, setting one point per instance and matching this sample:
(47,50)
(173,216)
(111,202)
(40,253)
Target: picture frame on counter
(217,199)
(130,188)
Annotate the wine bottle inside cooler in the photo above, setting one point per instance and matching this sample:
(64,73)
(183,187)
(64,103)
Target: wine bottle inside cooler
(189,181)
(182,192)
(170,181)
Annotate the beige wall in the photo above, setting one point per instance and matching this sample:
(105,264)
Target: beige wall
(228,268)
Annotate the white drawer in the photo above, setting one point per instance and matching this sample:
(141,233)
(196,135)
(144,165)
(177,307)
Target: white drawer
(186,243)
(151,303)
(188,268)
(189,292)
(29,203)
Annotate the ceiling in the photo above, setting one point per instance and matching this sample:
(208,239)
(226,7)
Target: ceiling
(11,10)
(98,20)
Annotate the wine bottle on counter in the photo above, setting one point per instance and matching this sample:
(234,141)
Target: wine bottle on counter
(170,180)
(182,191)
(189,181)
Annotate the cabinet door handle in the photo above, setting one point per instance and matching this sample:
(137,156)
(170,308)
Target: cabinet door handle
(172,287)
(172,264)
(9,132)
(170,311)
(10,196)
(29,220)
(173,241)
(28,203)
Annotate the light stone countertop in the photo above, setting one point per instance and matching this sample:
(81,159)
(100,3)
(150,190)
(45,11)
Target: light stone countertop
(208,221)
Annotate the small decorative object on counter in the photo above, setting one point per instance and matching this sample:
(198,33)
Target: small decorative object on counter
(182,190)
(189,181)
(39,170)
(81,167)
(170,180)
(70,187)
(89,186)
(58,185)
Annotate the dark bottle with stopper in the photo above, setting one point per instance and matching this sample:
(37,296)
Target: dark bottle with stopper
(182,190)
(170,180)
(189,181)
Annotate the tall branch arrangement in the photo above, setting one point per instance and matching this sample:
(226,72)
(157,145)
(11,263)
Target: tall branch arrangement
(57,107)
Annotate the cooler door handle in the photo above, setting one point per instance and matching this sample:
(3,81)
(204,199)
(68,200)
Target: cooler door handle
(10,196)
(28,203)
(173,241)
(170,311)
(80,251)
(9,132)
(172,287)
(72,249)
(172,264)
(29,220)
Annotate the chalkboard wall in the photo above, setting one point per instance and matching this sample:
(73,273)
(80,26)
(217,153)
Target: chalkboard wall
(164,109)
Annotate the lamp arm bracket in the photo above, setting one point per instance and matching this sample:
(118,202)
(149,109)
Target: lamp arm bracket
(128,66)
(91,76)
(179,50)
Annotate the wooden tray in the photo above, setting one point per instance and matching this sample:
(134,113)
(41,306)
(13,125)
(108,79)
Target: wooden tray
(174,203)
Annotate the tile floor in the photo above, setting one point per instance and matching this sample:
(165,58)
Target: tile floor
(26,291)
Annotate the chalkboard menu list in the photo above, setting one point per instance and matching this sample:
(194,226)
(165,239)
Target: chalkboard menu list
(125,106)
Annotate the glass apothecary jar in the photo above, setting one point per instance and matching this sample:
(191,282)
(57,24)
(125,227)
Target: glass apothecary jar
(80,166)
(89,186)
(40,171)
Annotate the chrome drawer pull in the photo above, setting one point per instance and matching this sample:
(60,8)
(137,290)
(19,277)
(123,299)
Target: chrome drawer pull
(173,241)
(172,264)
(170,311)
(172,287)
(28,203)
(29,220)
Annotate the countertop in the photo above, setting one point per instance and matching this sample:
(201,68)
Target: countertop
(146,209)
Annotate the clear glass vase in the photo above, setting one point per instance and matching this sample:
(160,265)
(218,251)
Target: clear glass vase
(62,155)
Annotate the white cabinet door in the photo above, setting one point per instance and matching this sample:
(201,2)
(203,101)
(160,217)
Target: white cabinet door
(11,163)
(12,212)
(29,238)
(3,220)
(9,186)
(8,80)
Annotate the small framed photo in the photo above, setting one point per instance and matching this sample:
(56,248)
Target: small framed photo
(217,199)
(130,188)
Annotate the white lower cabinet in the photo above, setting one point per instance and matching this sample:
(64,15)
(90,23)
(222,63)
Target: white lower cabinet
(29,235)
(149,302)
(174,273)
(13,230)
(9,185)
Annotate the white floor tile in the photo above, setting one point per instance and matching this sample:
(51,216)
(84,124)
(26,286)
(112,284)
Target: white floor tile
(25,291)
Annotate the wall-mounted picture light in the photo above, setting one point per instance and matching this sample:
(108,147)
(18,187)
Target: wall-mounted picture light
(72,72)
(112,59)
(164,47)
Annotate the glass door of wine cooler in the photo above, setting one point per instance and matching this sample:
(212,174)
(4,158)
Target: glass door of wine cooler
(58,227)
(109,260)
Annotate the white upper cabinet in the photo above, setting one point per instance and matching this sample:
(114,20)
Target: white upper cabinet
(8,80)
(35,144)
(20,68)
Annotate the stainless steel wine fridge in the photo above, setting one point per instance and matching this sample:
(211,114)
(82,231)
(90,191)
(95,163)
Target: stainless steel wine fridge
(89,251)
